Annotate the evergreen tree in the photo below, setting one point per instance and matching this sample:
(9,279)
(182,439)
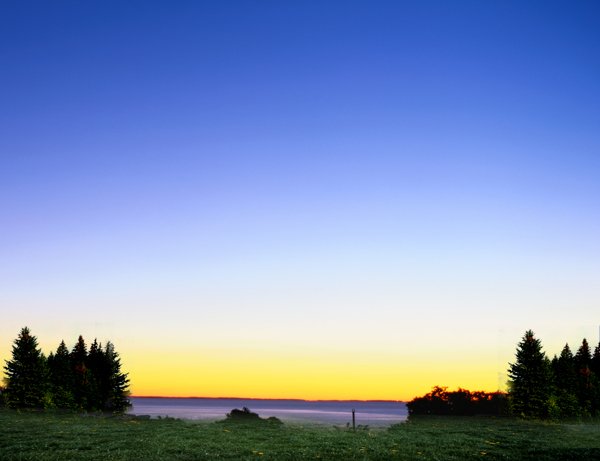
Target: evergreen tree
(531,379)
(85,389)
(595,369)
(62,378)
(95,357)
(79,352)
(586,383)
(595,366)
(87,395)
(94,361)
(583,358)
(117,383)
(566,382)
(565,374)
(27,373)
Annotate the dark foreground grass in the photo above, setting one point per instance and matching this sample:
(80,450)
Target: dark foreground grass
(64,436)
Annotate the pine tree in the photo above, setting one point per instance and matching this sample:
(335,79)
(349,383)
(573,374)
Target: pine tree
(586,380)
(565,374)
(531,379)
(62,379)
(117,383)
(595,366)
(566,382)
(27,374)
(79,352)
(583,358)
(85,390)
(94,361)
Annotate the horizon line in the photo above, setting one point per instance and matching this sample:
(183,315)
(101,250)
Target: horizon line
(260,398)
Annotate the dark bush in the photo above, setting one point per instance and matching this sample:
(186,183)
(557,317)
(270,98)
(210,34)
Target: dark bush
(243,414)
(246,416)
(461,403)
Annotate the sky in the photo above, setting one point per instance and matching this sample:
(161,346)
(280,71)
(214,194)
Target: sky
(315,200)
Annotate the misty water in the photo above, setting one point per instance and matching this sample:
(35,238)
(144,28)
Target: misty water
(373,413)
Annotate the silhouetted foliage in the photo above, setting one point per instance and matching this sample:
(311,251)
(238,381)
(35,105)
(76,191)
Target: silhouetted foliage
(27,374)
(531,379)
(583,358)
(115,384)
(566,387)
(79,352)
(72,380)
(586,382)
(245,416)
(62,378)
(569,388)
(461,402)
(595,366)
(565,384)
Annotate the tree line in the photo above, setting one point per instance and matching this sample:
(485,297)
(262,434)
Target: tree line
(461,402)
(80,379)
(566,386)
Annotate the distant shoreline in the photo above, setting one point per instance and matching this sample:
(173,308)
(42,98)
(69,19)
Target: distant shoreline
(255,398)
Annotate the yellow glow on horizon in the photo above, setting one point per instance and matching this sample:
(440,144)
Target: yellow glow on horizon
(329,376)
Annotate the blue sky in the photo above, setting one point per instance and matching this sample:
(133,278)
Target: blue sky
(303,173)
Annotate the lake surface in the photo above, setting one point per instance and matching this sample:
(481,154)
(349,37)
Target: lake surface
(327,412)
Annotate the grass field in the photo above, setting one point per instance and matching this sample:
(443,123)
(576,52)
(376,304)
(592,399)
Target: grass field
(58,436)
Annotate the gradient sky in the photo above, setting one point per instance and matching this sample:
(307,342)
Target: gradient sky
(332,199)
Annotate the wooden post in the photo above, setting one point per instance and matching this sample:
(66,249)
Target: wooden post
(353,421)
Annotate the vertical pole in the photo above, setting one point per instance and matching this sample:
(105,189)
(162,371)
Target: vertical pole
(353,421)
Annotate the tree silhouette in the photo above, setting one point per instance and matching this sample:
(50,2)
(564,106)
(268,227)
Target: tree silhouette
(566,382)
(74,380)
(531,378)
(62,378)
(595,365)
(586,380)
(95,361)
(117,382)
(79,352)
(583,358)
(27,373)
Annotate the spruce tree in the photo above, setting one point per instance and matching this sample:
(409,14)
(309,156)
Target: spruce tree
(94,363)
(79,352)
(595,368)
(62,378)
(583,358)
(86,389)
(117,382)
(566,382)
(531,379)
(586,380)
(27,374)
(565,374)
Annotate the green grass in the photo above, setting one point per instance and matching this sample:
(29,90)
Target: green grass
(56,436)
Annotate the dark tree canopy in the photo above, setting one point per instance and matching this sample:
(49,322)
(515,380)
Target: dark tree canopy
(565,375)
(27,373)
(531,378)
(461,402)
(79,352)
(569,387)
(78,380)
(62,378)
(583,358)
